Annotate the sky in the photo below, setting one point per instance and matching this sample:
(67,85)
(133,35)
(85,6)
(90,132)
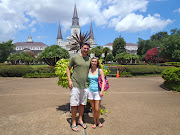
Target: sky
(130,19)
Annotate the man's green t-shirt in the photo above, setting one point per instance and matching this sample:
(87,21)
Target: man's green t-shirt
(80,71)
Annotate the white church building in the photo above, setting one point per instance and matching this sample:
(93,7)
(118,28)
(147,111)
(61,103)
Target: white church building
(75,29)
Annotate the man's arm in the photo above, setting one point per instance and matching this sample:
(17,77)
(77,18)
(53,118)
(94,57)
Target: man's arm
(69,77)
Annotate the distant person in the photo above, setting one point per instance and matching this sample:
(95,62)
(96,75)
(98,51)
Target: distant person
(95,95)
(78,83)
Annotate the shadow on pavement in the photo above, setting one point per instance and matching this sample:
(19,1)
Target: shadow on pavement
(65,108)
(86,118)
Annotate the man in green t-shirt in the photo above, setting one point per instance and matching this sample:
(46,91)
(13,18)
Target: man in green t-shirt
(78,83)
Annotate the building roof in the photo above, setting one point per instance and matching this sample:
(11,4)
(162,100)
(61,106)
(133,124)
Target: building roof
(26,44)
(109,44)
(91,32)
(59,36)
(130,44)
(75,19)
(127,44)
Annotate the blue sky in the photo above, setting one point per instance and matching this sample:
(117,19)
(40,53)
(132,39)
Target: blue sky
(132,19)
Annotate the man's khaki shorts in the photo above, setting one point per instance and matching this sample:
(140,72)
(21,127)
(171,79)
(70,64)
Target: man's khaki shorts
(78,96)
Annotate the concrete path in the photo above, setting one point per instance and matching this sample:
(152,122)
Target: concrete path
(137,106)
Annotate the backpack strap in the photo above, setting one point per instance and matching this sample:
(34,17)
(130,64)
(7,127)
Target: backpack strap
(98,72)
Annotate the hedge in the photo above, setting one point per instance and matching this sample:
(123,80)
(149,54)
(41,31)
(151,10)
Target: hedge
(40,75)
(48,69)
(177,64)
(144,69)
(15,70)
(172,78)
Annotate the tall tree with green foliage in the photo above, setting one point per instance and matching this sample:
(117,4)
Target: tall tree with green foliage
(106,50)
(53,53)
(97,51)
(159,36)
(6,48)
(109,57)
(175,31)
(144,45)
(170,45)
(118,46)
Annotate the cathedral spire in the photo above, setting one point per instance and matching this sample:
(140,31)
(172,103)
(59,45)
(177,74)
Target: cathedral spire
(59,36)
(91,32)
(75,19)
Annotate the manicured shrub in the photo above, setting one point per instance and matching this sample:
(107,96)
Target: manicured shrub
(177,64)
(15,70)
(40,75)
(171,75)
(172,78)
(144,69)
(125,74)
(48,69)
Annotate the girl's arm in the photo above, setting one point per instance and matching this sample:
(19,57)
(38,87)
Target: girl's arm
(103,80)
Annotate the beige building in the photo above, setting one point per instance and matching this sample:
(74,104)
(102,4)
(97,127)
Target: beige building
(130,47)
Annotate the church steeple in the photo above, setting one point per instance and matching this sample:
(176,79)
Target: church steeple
(91,32)
(75,19)
(59,36)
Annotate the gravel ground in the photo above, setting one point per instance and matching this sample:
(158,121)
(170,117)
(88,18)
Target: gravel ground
(136,106)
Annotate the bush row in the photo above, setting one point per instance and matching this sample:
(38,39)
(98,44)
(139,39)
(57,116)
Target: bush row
(177,64)
(21,70)
(44,70)
(39,75)
(144,69)
(15,70)
(138,69)
(172,78)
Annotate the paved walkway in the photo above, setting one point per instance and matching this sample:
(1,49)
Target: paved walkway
(137,106)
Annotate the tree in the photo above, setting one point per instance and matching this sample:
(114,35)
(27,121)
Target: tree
(24,57)
(80,40)
(134,57)
(144,45)
(159,36)
(6,48)
(123,58)
(109,57)
(175,31)
(106,50)
(176,55)
(14,58)
(97,51)
(53,53)
(170,44)
(118,46)
(152,56)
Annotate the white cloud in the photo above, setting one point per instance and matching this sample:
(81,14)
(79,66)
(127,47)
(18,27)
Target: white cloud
(177,10)
(124,7)
(18,15)
(33,29)
(32,23)
(134,23)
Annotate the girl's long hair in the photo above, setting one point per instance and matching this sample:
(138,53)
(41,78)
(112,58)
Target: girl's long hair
(98,63)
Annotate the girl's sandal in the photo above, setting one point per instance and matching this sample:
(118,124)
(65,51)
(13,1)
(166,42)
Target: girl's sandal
(83,125)
(74,128)
(94,126)
(100,125)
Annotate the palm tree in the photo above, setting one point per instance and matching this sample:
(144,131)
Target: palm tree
(80,40)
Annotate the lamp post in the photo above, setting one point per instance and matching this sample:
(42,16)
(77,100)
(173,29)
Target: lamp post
(158,54)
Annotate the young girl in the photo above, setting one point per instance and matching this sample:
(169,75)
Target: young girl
(95,95)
